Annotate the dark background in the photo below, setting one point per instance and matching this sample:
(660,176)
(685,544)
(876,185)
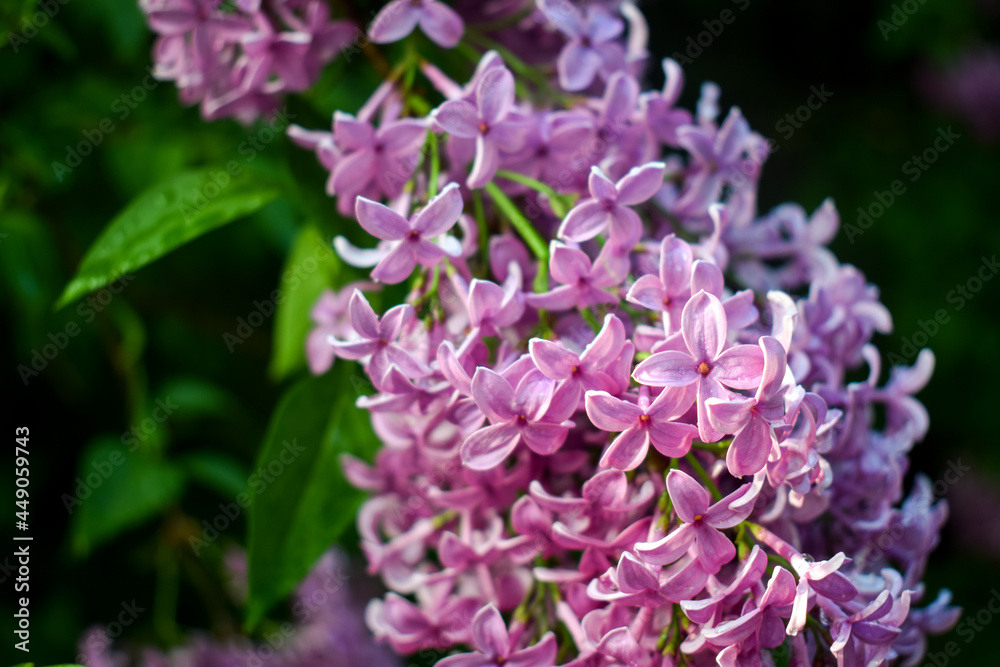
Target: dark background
(162,337)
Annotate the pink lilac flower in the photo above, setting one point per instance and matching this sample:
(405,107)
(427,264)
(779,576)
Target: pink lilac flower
(700,533)
(399,18)
(609,205)
(419,240)
(496,647)
(490,122)
(642,423)
(750,420)
(704,362)
(521,414)
(591,48)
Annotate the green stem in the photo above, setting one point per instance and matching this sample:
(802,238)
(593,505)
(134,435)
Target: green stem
(432,145)
(718,448)
(591,319)
(521,223)
(705,477)
(558,203)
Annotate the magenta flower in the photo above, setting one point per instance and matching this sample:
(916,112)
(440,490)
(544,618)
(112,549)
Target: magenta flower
(662,116)
(331,316)
(703,327)
(375,161)
(609,203)
(635,584)
(589,370)
(489,121)
(591,49)
(376,339)
(399,18)
(670,290)
(700,533)
(641,424)
(760,627)
(515,415)
(750,418)
(582,284)
(489,635)
(414,238)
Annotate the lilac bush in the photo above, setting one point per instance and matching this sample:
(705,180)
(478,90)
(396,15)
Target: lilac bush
(653,452)
(624,413)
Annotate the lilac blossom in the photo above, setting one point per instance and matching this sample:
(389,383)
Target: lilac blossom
(642,423)
(704,362)
(608,205)
(591,48)
(419,240)
(399,18)
(489,121)
(524,479)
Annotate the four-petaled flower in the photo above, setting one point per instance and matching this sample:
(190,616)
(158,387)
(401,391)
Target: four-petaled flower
(489,121)
(496,647)
(703,326)
(413,237)
(609,205)
(515,415)
(703,523)
(642,423)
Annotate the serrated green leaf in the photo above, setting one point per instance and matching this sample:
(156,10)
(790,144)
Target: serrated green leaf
(312,266)
(166,217)
(305,506)
(116,489)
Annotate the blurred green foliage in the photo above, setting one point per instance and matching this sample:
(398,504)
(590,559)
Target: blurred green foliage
(161,340)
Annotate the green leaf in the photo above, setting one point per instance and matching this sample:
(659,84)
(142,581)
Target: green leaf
(216,471)
(300,508)
(166,217)
(116,489)
(312,266)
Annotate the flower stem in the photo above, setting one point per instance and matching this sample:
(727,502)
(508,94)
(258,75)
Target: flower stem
(521,223)
(558,202)
(432,146)
(705,477)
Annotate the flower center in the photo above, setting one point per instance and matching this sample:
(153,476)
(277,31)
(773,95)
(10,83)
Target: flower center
(645,419)
(484,129)
(414,235)
(704,368)
(521,420)
(697,518)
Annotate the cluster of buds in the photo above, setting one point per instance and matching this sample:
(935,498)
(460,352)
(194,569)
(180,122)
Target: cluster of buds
(615,406)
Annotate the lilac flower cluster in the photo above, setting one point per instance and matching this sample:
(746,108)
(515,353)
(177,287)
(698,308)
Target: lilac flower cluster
(617,406)
(238,59)
(327,630)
